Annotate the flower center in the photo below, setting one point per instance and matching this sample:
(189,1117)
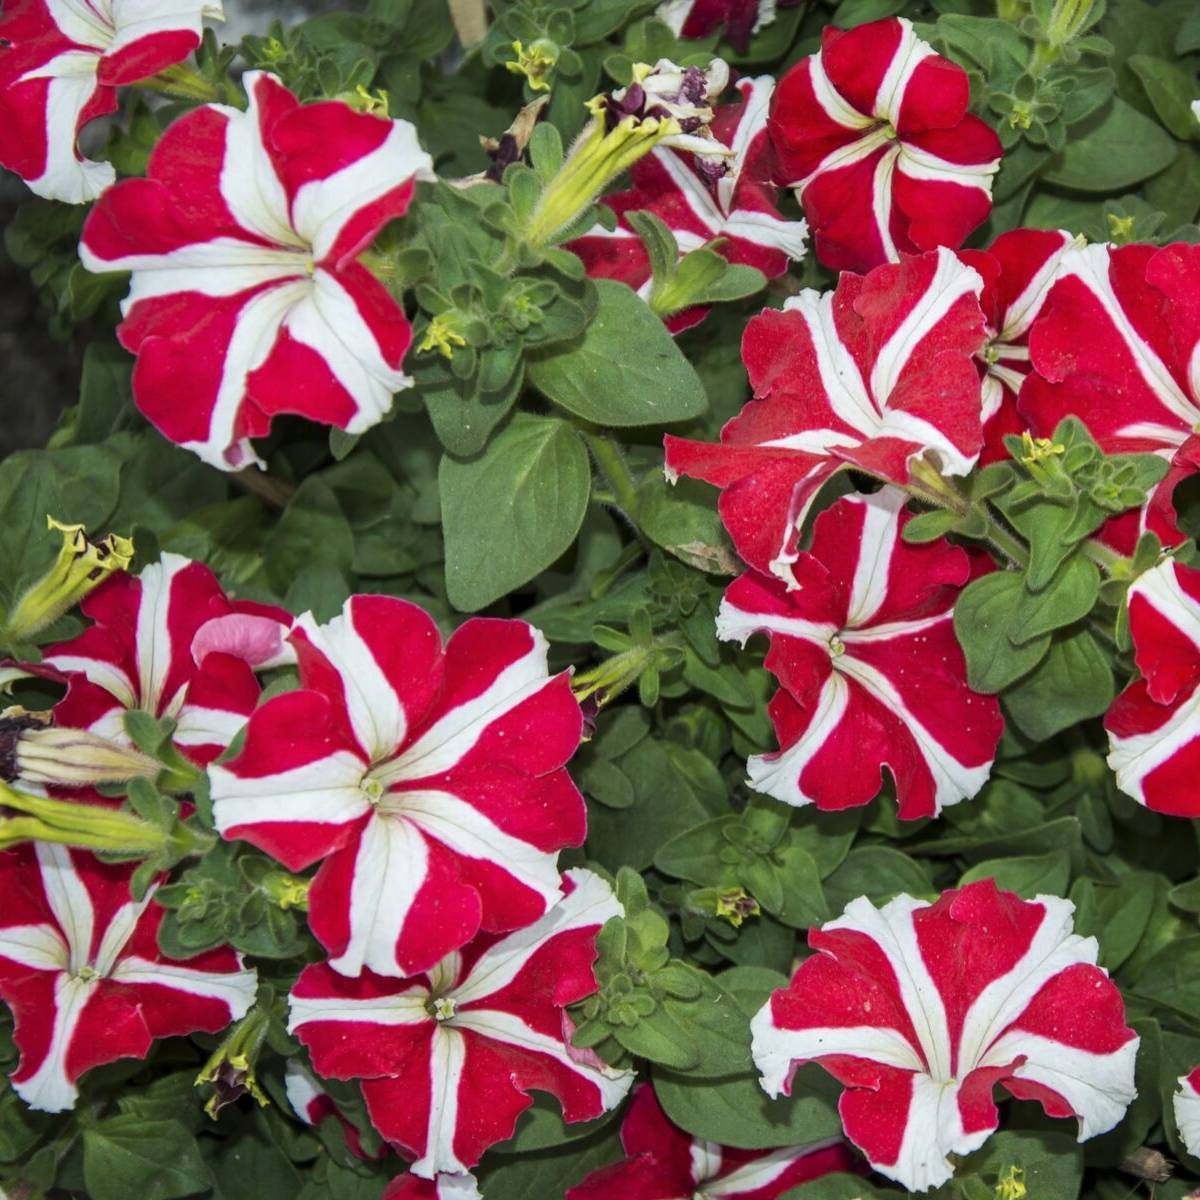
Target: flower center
(441,1008)
(372,788)
(87,974)
(836,646)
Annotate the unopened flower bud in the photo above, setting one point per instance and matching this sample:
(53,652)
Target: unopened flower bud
(35,754)
(664,105)
(81,566)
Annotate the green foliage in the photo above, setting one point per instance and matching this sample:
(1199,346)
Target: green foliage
(522,476)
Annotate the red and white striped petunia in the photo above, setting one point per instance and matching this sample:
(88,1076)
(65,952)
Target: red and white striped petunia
(664,1163)
(430,780)
(141,653)
(1018,270)
(313,1104)
(871,375)
(1154,724)
(81,970)
(444,1187)
(61,62)
(1130,380)
(1187,1111)
(873,133)
(700,199)
(248,297)
(921,1009)
(872,674)
(447,1058)
(734,20)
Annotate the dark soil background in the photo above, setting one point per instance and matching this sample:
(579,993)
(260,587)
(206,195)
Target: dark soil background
(39,374)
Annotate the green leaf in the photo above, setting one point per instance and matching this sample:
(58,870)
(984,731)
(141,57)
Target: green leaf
(877,872)
(717,1029)
(682,519)
(1052,1162)
(1171,90)
(838,1187)
(1068,598)
(1073,682)
(1028,875)
(1111,151)
(154,1160)
(313,529)
(984,614)
(509,513)
(626,370)
(737,1112)
(550,1173)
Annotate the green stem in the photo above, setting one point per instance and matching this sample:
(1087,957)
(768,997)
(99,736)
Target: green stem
(64,821)
(999,538)
(934,488)
(183,82)
(273,492)
(613,467)
(1106,559)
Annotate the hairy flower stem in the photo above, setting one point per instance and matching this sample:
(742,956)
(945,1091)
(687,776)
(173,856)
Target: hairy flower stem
(604,683)
(932,487)
(613,467)
(273,492)
(184,83)
(93,826)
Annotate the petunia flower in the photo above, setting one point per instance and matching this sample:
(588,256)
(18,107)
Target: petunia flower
(444,1187)
(873,133)
(1154,724)
(872,675)
(447,1058)
(872,375)
(734,20)
(921,1009)
(1018,271)
(313,1104)
(81,969)
(1130,380)
(61,62)
(700,199)
(139,655)
(430,781)
(664,1163)
(248,297)
(1187,1110)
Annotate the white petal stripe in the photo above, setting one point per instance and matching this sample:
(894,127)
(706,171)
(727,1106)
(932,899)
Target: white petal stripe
(322,207)
(590,903)
(1099,1087)
(376,713)
(775,1049)
(466,830)
(390,865)
(325,791)
(447,1058)
(452,737)
(1133,758)
(234,989)
(49,1089)
(951,281)
(610,1083)
(402,1008)
(69,901)
(781,774)
(40,947)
